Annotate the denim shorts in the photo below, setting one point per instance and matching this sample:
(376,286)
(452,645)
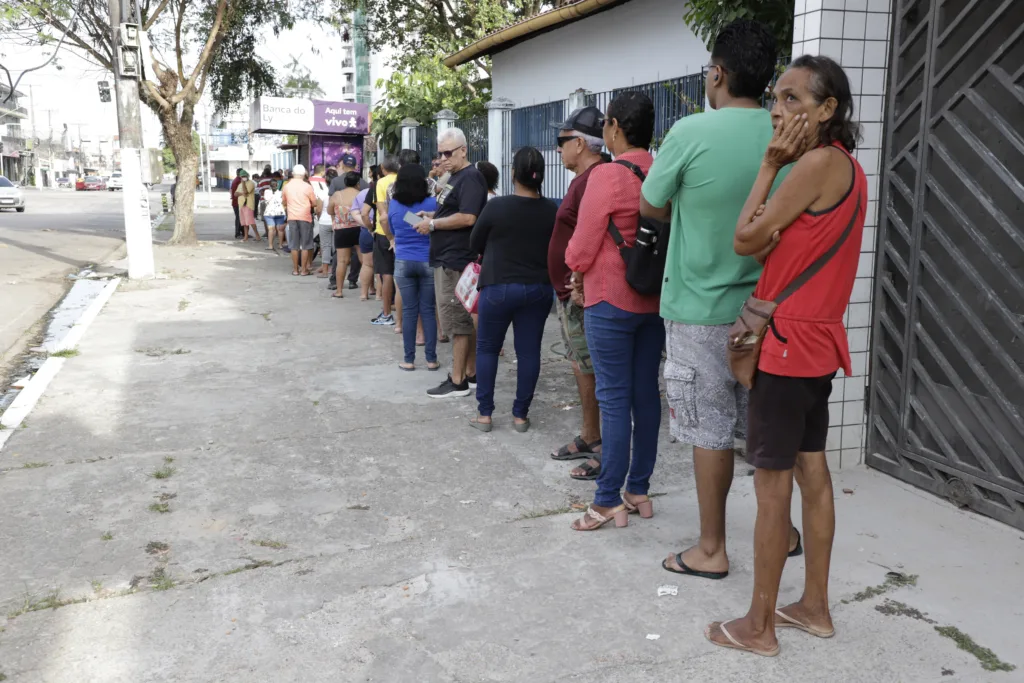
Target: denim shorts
(707,406)
(365,241)
(276,221)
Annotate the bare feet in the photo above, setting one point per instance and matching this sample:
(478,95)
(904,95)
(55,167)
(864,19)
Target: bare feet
(741,634)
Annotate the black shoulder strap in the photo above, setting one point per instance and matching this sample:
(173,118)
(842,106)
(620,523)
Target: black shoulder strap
(632,167)
(612,229)
(820,262)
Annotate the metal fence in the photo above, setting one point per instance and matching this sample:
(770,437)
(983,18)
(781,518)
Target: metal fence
(531,126)
(476,137)
(673,99)
(426,145)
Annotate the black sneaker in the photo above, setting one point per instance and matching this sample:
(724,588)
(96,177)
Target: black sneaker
(449,389)
(472,381)
(331,284)
(352,285)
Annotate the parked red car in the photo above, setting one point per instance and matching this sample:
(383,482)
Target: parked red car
(90,182)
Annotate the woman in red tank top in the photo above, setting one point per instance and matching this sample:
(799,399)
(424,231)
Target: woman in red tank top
(815,218)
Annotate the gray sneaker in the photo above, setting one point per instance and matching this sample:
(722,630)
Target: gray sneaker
(449,389)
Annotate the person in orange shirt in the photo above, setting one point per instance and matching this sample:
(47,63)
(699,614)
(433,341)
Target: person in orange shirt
(301,204)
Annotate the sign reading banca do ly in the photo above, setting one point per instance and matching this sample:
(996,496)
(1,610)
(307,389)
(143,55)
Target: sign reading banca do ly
(297,115)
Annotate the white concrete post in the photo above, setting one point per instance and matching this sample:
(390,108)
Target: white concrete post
(445,120)
(496,130)
(408,126)
(577,100)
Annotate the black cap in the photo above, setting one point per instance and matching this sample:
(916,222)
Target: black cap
(586,120)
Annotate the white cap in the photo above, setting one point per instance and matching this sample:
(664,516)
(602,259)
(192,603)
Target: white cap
(299,169)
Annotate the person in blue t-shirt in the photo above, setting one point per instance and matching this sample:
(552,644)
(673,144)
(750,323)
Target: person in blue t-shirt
(413,274)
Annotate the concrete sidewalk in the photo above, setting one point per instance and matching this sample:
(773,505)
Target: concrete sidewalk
(234,481)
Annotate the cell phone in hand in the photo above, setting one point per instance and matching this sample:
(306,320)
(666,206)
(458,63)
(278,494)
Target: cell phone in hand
(411,218)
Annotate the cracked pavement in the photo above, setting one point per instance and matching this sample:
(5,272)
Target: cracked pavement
(394,541)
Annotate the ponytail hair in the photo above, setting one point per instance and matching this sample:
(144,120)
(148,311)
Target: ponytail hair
(528,168)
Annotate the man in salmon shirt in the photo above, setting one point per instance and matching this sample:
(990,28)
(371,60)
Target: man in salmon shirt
(301,204)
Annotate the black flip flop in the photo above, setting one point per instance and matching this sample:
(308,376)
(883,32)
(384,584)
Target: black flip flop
(583,450)
(591,472)
(692,572)
(799,549)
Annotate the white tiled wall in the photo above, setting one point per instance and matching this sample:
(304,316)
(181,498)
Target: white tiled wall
(856,34)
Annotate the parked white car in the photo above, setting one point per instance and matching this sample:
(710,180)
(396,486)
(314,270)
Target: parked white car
(116,182)
(11,196)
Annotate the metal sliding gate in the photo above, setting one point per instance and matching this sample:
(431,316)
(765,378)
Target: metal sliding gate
(946,395)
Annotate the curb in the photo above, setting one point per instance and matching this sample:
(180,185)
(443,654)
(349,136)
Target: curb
(27,398)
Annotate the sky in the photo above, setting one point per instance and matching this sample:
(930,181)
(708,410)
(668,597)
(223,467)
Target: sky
(70,95)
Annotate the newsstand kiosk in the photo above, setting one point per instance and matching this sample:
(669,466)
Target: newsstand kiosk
(326,130)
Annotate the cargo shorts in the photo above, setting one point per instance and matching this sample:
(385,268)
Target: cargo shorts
(707,406)
(576,350)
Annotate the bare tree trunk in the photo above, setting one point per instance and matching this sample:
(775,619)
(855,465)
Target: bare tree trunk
(179,137)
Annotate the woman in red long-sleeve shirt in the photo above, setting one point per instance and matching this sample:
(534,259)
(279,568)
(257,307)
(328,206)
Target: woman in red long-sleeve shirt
(624,331)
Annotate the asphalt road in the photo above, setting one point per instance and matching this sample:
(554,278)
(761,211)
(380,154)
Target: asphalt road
(59,232)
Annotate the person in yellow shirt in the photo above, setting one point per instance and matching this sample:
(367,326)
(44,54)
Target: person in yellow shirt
(384,241)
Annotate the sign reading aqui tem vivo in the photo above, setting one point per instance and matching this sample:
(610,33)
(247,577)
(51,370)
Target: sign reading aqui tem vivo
(297,115)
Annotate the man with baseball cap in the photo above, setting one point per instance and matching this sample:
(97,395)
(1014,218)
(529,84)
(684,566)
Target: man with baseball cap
(579,143)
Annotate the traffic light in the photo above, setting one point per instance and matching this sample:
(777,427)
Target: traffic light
(104,91)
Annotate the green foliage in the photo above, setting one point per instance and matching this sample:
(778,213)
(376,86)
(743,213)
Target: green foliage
(425,89)
(707,17)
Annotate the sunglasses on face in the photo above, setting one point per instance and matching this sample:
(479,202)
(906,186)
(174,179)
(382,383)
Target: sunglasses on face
(562,139)
(447,154)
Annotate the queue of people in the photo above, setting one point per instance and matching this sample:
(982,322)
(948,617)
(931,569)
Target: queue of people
(763,214)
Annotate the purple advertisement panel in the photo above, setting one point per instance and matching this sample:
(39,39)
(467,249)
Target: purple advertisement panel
(296,115)
(340,117)
(328,150)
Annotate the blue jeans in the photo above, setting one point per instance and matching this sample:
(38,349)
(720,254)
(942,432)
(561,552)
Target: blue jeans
(626,351)
(415,279)
(526,308)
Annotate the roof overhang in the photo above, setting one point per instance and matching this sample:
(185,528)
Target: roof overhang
(529,28)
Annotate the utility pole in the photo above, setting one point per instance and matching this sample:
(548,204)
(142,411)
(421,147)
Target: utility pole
(36,179)
(138,232)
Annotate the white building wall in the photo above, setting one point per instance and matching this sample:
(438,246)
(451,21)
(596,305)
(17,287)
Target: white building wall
(856,34)
(639,42)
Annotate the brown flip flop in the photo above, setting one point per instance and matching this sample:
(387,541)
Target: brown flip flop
(790,622)
(734,644)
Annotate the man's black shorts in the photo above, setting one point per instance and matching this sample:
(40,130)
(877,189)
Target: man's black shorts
(383,256)
(787,415)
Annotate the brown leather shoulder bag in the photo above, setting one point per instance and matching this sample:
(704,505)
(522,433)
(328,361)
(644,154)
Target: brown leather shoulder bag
(747,334)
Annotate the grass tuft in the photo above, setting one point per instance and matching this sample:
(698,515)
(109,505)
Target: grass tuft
(894,608)
(160,580)
(183,304)
(34,465)
(164,472)
(159,507)
(266,543)
(893,580)
(51,600)
(988,659)
(156,547)
(537,514)
(107,536)
(65,353)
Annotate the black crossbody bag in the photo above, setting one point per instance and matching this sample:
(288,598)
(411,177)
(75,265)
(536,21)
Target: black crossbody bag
(645,260)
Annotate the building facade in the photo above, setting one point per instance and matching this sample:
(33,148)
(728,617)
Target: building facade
(936,318)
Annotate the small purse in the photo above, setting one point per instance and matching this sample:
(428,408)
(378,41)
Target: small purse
(746,335)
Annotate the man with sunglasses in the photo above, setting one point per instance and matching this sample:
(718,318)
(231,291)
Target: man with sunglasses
(579,144)
(460,201)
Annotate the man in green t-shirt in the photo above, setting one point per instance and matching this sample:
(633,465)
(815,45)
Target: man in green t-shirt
(700,179)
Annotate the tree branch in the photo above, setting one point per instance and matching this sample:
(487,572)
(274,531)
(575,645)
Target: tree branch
(151,19)
(204,58)
(177,39)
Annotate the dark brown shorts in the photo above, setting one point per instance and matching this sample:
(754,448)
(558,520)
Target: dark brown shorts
(787,415)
